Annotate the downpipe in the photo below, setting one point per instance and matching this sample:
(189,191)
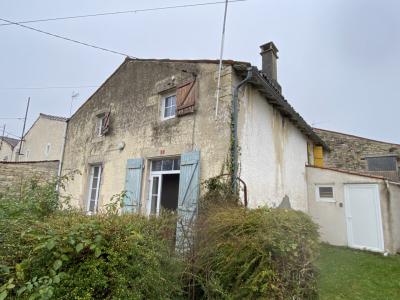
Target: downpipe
(234,130)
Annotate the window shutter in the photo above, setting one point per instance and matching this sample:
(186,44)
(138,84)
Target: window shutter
(186,98)
(133,185)
(106,123)
(189,186)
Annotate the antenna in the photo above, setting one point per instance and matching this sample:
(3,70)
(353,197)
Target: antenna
(73,96)
(23,129)
(220,58)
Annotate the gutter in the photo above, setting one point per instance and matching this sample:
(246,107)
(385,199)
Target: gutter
(234,130)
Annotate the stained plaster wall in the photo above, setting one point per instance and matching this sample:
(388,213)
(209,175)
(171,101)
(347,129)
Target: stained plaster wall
(133,94)
(6,152)
(330,216)
(44,131)
(273,154)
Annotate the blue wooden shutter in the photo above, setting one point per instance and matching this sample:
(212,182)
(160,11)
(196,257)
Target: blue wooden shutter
(133,185)
(189,186)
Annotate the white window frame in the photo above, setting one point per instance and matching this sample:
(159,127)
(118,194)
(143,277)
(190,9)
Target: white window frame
(317,196)
(159,175)
(163,100)
(91,187)
(47,149)
(100,122)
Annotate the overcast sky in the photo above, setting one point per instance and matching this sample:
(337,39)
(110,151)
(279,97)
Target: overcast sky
(339,60)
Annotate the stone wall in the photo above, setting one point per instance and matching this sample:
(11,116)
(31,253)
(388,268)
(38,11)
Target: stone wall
(347,151)
(12,174)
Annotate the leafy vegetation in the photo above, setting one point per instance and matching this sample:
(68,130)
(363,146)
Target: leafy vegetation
(256,254)
(353,274)
(50,251)
(51,254)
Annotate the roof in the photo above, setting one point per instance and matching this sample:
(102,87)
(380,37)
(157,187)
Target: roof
(265,85)
(12,142)
(54,118)
(348,172)
(355,136)
(270,90)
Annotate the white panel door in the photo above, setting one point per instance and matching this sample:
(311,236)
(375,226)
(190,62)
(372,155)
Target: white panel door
(363,216)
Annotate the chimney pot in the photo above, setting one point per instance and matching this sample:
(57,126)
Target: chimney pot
(269,54)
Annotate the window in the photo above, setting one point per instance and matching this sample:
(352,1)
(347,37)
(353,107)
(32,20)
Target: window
(47,149)
(324,193)
(100,124)
(168,107)
(166,165)
(94,185)
(382,163)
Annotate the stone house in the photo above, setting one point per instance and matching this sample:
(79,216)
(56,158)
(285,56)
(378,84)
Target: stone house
(7,146)
(354,153)
(44,141)
(154,130)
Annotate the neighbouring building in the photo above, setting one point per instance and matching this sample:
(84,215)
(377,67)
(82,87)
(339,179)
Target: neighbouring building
(354,192)
(354,153)
(44,141)
(7,146)
(152,129)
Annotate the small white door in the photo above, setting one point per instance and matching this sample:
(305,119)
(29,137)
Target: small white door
(363,215)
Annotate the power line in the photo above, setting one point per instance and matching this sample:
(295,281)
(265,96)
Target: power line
(49,87)
(121,12)
(67,39)
(12,134)
(11,118)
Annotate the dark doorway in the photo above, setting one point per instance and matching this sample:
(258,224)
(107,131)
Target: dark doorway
(170,191)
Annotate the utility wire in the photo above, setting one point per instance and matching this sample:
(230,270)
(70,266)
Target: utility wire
(49,87)
(11,118)
(67,39)
(122,12)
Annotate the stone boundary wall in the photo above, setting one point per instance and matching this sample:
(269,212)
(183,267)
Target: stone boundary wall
(12,174)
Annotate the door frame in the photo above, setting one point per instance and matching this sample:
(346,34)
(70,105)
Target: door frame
(378,216)
(158,174)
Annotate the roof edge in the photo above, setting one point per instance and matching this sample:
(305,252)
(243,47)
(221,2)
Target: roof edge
(356,136)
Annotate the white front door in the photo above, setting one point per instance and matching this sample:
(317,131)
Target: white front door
(363,216)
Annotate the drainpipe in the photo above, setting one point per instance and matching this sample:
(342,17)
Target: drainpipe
(234,130)
(62,157)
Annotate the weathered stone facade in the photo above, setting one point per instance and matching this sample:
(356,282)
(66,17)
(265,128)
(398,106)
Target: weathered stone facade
(12,174)
(348,152)
(132,98)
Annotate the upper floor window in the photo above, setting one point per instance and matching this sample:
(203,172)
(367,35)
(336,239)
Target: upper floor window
(168,107)
(47,149)
(382,163)
(103,124)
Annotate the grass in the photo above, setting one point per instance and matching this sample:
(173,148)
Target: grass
(352,274)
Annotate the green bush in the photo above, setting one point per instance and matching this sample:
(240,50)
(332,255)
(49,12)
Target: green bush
(21,207)
(99,257)
(255,254)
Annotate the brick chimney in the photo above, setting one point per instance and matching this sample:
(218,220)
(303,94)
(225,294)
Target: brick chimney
(269,54)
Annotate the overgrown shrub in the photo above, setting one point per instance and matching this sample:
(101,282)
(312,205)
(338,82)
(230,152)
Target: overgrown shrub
(24,205)
(256,254)
(100,257)
(47,253)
